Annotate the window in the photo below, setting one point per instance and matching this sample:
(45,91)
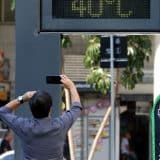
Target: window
(6,14)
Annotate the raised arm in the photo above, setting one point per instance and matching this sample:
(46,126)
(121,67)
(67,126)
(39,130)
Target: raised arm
(69,117)
(12,105)
(14,122)
(68,84)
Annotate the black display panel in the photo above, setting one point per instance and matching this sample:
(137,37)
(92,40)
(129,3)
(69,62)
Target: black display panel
(100,9)
(99,16)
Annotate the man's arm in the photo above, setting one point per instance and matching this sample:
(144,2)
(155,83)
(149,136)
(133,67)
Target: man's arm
(68,84)
(14,104)
(14,122)
(68,117)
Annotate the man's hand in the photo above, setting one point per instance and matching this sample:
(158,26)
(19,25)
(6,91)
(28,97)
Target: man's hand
(68,84)
(28,95)
(12,105)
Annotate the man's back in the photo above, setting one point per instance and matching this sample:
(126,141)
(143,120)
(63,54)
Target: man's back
(42,139)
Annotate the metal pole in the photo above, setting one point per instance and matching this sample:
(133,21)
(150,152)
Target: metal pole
(98,134)
(112,149)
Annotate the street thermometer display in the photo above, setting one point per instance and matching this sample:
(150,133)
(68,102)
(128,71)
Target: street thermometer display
(100,15)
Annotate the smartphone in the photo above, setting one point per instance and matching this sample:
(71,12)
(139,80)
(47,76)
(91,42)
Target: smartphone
(56,79)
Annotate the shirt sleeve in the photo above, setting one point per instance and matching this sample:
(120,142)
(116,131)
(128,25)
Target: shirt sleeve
(14,122)
(70,116)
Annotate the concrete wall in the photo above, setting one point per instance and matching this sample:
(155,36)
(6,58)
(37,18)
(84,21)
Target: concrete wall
(37,55)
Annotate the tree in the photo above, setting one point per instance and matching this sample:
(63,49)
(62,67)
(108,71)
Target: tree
(139,50)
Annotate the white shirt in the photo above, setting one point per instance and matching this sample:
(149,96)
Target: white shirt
(124,144)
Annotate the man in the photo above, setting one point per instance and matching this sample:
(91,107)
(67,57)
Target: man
(6,142)
(126,152)
(125,149)
(42,137)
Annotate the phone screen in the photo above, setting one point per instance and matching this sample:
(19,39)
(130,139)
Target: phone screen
(53,79)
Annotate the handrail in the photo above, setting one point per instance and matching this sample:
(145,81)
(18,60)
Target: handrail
(70,135)
(103,123)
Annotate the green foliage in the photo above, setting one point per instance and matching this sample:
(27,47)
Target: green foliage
(139,50)
(13,4)
(66,41)
(99,79)
(92,55)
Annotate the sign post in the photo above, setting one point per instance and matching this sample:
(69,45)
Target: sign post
(112,135)
(120,51)
(113,55)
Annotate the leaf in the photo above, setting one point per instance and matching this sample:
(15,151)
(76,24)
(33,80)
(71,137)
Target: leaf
(13,5)
(66,42)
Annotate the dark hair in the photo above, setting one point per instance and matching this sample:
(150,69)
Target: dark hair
(40,104)
(7,133)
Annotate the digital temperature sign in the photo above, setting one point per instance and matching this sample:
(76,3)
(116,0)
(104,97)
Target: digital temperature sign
(101,9)
(99,15)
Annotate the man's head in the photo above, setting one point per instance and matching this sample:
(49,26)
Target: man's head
(128,135)
(8,136)
(40,104)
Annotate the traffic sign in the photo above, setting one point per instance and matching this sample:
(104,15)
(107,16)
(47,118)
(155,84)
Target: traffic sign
(120,52)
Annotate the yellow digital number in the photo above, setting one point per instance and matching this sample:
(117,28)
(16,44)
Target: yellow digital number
(109,2)
(87,8)
(78,5)
(100,10)
(121,13)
